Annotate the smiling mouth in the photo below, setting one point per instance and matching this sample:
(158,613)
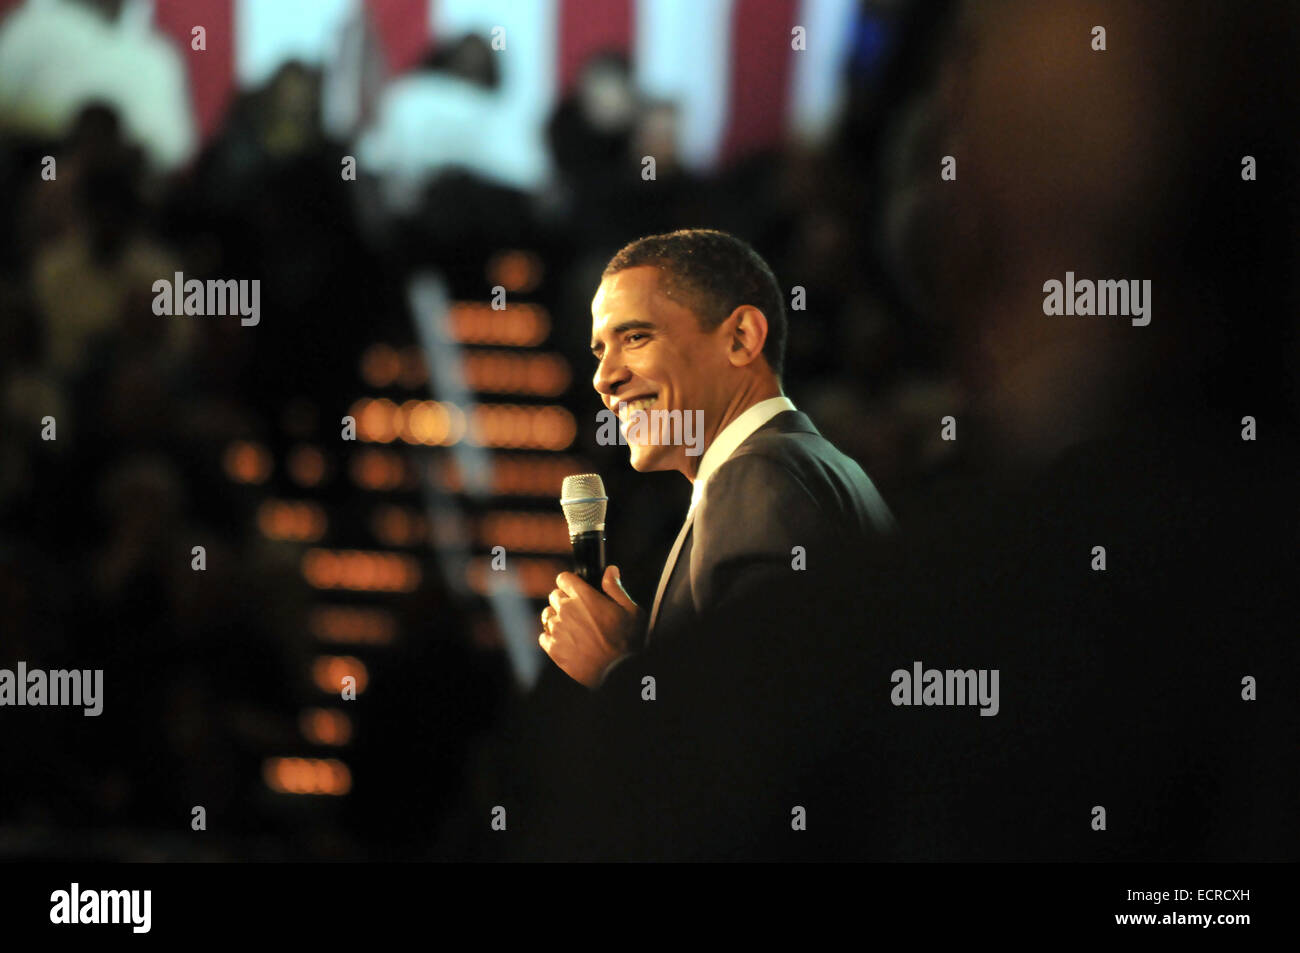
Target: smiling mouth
(628,407)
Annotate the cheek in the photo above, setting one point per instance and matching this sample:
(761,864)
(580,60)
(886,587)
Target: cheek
(676,369)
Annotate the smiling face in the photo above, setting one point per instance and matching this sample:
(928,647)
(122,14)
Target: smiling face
(653,354)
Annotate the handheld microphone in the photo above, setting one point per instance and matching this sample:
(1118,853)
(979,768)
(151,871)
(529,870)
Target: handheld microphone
(583,499)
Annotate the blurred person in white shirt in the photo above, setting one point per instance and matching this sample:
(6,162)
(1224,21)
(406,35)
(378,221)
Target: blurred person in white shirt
(57,56)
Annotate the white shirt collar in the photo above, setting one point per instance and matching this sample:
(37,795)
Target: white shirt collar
(732,436)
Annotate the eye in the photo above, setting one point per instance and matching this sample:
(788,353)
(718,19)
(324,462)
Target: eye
(631,338)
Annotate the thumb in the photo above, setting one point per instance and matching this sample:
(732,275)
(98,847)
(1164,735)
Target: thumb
(612,584)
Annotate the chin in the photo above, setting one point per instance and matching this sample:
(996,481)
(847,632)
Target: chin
(645,462)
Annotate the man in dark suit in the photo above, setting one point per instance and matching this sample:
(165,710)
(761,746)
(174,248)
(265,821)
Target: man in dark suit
(691,326)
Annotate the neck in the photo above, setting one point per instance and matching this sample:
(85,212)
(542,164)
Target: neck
(754,392)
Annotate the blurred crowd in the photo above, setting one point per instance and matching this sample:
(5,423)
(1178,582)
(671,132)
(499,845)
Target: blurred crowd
(923,300)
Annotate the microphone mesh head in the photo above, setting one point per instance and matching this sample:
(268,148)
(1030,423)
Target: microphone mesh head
(582,497)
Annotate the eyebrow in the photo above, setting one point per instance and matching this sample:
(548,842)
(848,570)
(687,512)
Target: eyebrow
(634,325)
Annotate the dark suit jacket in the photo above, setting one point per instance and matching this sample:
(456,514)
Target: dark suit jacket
(785,486)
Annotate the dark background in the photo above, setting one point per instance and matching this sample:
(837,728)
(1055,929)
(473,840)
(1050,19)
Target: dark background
(924,297)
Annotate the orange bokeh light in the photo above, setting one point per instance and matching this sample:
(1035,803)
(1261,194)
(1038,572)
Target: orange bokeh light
(324,726)
(362,570)
(352,624)
(516,271)
(328,672)
(247,462)
(307,776)
(296,521)
(515,325)
(534,578)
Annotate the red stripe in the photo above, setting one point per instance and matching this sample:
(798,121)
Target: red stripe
(588,27)
(761,69)
(404,31)
(211,71)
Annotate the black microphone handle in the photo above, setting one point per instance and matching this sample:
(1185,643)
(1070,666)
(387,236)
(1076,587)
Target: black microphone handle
(589,556)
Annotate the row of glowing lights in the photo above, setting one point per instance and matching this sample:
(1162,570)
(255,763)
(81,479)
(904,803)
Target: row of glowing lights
(516,531)
(531,577)
(365,571)
(511,474)
(515,325)
(352,624)
(328,776)
(434,423)
(375,468)
(490,372)
(381,470)
(305,522)
(360,570)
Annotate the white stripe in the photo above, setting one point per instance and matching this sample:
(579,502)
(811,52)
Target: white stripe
(683,53)
(528,66)
(817,84)
(270,32)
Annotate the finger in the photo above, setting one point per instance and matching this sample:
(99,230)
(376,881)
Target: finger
(612,584)
(572,585)
(555,599)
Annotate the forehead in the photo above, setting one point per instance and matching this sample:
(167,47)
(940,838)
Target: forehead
(634,294)
(630,288)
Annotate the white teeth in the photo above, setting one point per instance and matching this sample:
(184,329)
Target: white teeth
(625,409)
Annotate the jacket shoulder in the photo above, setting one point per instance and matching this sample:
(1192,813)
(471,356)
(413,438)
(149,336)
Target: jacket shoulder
(834,481)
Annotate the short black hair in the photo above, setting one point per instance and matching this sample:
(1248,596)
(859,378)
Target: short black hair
(713,274)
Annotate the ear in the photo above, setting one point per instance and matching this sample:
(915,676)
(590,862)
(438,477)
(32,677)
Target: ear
(748,333)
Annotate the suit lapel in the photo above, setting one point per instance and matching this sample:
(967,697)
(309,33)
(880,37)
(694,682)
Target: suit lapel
(668,570)
(787,421)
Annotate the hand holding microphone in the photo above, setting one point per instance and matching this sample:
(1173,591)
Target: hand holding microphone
(586,630)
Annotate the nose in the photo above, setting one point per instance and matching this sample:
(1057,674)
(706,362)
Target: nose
(609,376)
